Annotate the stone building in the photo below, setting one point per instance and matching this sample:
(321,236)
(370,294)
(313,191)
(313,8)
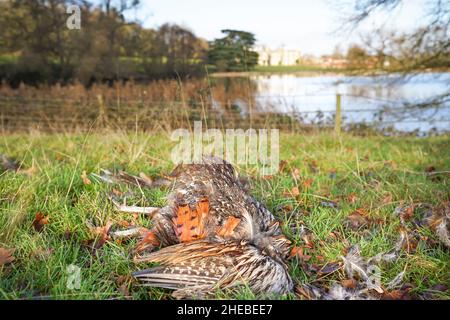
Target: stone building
(278,57)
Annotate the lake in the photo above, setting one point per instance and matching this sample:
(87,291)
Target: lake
(383,101)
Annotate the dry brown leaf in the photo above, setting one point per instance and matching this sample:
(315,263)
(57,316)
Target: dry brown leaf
(39,221)
(124,224)
(85,178)
(355,220)
(123,284)
(387,199)
(328,268)
(401,294)
(308,240)
(283,165)
(295,192)
(42,253)
(349,283)
(295,251)
(305,292)
(352,198)
(100,236)
(30,171)
(408,213)
(313,166)
(307,183)
(146,178)
(296,173)
(6,256)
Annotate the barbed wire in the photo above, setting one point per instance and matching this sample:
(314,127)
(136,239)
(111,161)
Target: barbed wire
(122,99)
(20,113)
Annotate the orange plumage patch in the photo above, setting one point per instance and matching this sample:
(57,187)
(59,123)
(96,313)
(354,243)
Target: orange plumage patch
(190,224)
(228,227)
(149,240)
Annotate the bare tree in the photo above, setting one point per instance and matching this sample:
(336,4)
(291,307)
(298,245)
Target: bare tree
(426,47)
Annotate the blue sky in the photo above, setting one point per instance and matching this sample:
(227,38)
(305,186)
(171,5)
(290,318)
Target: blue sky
(303,24)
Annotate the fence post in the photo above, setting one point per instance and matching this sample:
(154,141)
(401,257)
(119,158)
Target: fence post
(101,110)
(338,116)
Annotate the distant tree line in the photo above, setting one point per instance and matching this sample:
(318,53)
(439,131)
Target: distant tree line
(36,46)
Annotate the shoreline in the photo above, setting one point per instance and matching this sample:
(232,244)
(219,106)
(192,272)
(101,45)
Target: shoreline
(318,73)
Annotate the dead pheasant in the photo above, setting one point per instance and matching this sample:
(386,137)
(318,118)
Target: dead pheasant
(206,200)
(216,235)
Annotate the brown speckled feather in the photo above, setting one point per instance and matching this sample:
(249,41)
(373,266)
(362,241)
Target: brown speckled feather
(202,267)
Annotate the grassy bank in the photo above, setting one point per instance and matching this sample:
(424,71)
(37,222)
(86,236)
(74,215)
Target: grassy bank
(300,70)
(342,191)
(296,68)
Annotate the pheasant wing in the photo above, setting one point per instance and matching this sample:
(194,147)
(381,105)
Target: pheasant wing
(202,266)
(187,265)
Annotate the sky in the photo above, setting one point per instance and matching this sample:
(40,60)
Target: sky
(306,25)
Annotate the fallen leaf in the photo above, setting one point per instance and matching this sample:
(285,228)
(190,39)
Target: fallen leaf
(295,192)
(313,167)
(352,198)
(123,283)
(146,178)
(296,173)
(6,256)
(42,253)
(308,292)
(100,236)
(401,294)
(440,287)
(405,213)
(349,283)
(355,221)
(430,169)
(304,257)
(85,178)
(308,240)
(408,213)
(68,235)
(329,268)
(117,193)
(283,165)
(295,251)
(39,221)
(30,171)
(307,183)
(124,224)
(387,199)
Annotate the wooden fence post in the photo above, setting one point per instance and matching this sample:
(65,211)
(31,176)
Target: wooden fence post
(338,115)
(101,111)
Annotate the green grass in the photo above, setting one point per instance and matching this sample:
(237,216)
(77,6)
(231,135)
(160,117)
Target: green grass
(8,58)
(371,168)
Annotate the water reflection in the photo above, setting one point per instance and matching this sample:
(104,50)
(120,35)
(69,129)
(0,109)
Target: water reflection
(377,100)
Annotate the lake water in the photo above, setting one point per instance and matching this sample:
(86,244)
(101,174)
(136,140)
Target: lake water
(384,101)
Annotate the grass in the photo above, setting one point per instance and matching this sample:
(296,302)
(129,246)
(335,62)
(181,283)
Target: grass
(367,169)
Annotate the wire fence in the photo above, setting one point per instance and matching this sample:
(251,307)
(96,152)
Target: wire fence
(20,113)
